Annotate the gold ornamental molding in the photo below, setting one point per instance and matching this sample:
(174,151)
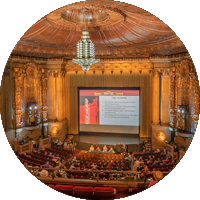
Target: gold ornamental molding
(112,67)
(165,72)
(56,73)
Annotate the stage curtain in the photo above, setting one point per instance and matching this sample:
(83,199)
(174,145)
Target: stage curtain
(135,79)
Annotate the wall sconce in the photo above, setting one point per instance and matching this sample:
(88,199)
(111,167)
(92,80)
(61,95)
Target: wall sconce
(54,130)
(160,135)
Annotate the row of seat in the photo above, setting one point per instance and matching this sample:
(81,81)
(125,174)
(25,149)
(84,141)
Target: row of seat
(96,192)
(53,163)
(33,160)
(86,192)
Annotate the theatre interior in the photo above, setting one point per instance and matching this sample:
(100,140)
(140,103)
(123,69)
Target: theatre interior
(99,99)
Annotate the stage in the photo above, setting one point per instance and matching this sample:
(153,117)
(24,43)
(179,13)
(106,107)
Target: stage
(84,141)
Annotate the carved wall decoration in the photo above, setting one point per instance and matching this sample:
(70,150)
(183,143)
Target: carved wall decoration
(172,99)
(44,78)
(17,98)
(116,65)
(30,95)
(188,92)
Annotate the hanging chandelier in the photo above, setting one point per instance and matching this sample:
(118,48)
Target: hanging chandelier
(85,52)
(85,49)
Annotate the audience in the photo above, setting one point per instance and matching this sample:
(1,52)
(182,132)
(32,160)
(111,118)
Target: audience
(144,162)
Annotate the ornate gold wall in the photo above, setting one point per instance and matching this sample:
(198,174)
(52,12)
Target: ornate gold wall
(55,84)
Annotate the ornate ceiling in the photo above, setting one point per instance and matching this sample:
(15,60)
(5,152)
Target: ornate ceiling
(118,30)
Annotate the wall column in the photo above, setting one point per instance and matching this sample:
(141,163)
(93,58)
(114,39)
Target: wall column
(172,123)
(156,93)
(59,96)
(51,96)
(165,90)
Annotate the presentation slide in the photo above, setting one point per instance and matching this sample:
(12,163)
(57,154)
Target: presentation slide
(109,110)
(119,110)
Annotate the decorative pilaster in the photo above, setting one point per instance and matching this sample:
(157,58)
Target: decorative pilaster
(6,90)
(44,106)
(156,94)
(51,84)
(59,90)
(196,97)
(172,99)
(165,90)
(17,99)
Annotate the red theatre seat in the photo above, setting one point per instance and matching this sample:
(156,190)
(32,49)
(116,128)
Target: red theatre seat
(104,193)
(83,192)
(51,186)
(66,189)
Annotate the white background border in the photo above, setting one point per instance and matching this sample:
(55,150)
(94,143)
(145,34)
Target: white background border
(17,16)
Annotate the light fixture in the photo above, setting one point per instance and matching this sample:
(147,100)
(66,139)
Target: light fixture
(85,50)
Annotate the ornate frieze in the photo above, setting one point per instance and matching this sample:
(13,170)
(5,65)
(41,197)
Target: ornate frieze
(112,66)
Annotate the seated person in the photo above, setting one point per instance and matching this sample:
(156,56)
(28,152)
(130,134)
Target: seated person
(110,165)
(105,149)
(158,150)
(91,148)
(94,166)
(75,160)
(155,164)
(98,149)
(111,150)
(146,168)
(93,176)
(144,152)
(168,156)
(141,159)
(112,177)
(47,165)
(65,145)
(157,176)
(150,151)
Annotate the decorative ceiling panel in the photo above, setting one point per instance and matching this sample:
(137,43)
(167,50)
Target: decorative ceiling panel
(117,30)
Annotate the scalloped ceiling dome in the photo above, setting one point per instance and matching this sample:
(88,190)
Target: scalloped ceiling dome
(118,30)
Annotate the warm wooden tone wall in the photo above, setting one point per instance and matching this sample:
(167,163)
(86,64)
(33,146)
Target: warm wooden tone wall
(126,79)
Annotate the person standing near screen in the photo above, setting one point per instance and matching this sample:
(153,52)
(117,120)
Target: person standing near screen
(124,147)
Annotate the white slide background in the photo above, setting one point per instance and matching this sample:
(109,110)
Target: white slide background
(119,110)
